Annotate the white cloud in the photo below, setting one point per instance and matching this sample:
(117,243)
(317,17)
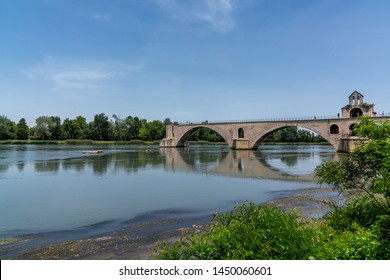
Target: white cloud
(80,74)
(104,17)
(217,14)
(80,79)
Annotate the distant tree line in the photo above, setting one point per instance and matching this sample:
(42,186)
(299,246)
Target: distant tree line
(205,134)
(103,128)
(294,134)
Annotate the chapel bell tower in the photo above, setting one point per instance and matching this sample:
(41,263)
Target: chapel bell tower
(357,107)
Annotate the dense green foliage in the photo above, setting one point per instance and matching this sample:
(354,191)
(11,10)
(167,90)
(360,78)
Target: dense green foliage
(22,130)
(247,232)
(205,134)
(263,232)
(7,128)
(50,128)
(293,134)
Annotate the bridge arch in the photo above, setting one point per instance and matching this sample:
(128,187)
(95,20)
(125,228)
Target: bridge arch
(183,138)
(356,112)
(260,138)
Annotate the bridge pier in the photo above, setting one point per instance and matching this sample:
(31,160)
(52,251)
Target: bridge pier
(241,144)
(170,142)
(347,145)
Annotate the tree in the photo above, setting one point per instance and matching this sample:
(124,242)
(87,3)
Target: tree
(68,129)
(293,134)
(22,130)
(205,134)
(48,128)
(100,127)
(155,130)
(133,126)
(120,128)
(143,133)
(7,128)
(367,168)
(75,129)
(41,129)
(81,126)
(55,128)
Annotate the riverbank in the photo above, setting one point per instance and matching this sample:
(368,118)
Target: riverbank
(76,142)
(138,241)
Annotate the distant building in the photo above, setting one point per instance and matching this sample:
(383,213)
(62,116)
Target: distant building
(357,107)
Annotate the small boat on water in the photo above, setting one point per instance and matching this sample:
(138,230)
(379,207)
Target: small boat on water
(93,152)
(150,151)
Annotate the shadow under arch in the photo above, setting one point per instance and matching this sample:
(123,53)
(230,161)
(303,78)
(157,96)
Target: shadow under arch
(202,159)
(265,134)
(187,134)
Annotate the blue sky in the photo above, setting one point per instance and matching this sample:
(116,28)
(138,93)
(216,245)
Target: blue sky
(191,60)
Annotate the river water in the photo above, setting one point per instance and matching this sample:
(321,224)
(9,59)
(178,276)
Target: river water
(59,191)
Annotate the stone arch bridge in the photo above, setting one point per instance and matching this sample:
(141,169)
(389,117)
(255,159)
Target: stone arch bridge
(249,134)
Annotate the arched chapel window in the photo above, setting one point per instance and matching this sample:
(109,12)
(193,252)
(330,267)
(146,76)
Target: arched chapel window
(334,129)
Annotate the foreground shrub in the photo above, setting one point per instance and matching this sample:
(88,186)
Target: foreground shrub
(357,243)
(247,232)
(362,210)
(358,231)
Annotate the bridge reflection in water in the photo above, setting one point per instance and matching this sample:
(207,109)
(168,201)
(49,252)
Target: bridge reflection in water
(271,162)
(290,163)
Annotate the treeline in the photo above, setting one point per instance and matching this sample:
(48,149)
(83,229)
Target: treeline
(205,134)
(102,128)
(293,134)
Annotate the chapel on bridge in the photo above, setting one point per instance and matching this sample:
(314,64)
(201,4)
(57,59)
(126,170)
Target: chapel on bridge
(357,107)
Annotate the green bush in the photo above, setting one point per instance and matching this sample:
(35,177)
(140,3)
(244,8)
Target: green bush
(13,142)
(43,142)
(362,230)
(136,142)
(354,232)
(358,243)
(247,232)
(361,210)
(78,142)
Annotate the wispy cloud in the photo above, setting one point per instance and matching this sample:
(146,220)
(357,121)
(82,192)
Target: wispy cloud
(217,14)
(80,74)
(104,17)
(80,79)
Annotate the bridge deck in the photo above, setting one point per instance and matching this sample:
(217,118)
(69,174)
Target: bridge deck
(276,120)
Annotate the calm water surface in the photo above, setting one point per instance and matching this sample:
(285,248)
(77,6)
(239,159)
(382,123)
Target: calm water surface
(58,188)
